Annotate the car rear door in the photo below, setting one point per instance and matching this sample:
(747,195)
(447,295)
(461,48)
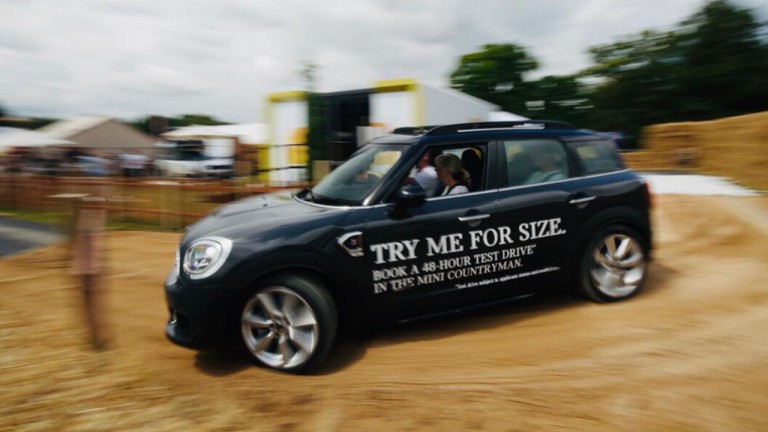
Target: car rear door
(534,191)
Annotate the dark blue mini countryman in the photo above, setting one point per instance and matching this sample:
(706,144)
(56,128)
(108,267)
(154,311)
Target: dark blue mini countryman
(416,223)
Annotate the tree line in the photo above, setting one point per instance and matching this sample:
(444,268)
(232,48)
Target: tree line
(713,64)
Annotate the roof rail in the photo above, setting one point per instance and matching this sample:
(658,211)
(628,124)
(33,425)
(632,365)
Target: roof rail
(412,130)
(500,125)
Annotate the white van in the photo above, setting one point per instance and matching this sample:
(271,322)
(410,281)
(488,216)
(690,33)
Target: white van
(195,158)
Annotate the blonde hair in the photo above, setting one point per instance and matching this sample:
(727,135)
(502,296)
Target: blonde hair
(453,164)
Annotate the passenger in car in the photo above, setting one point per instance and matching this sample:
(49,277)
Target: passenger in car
(451,172)
(548,170)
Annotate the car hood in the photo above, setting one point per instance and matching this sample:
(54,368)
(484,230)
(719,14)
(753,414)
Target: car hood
(265,217)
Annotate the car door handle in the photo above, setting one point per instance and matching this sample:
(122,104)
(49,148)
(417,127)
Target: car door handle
(577,201)
(474,218)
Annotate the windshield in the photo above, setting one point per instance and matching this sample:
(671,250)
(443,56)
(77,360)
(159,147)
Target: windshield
(192,150)
(354,180)
(179,155)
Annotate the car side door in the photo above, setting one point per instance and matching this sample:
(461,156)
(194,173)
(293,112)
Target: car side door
(534,190)
(419,260)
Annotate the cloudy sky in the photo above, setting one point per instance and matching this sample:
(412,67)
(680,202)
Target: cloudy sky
(130,58)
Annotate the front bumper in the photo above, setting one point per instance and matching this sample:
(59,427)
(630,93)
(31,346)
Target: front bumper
(198,316)
(217,172)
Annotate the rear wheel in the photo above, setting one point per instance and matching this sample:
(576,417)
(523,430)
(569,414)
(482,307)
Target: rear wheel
(614,265)
(288,323)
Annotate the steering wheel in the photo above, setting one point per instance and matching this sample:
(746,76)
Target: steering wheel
(373,176)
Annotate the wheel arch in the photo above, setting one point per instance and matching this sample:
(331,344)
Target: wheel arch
(627,216)
(309,265)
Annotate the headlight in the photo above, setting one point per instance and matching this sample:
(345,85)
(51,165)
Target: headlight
(205,256)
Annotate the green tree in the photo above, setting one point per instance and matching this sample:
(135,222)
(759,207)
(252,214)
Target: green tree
(496,74)
(711,65)
(195,119)
(557,98)
(144,123)
(614,60)
(726,62)
(639,82)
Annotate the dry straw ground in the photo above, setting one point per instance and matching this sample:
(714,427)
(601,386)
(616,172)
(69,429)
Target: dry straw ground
(688,354)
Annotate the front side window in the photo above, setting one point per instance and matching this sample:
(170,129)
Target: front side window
(356,178)
(450,170)
(535,161)
(192,150)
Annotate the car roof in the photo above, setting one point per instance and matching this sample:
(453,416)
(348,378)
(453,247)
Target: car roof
(485,131)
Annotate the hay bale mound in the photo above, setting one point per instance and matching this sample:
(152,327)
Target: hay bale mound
(731,147)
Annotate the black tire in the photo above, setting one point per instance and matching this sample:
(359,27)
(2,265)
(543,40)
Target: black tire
(613,265)
(287,323)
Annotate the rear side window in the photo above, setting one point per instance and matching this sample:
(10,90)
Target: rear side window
(535,161)
(597,157)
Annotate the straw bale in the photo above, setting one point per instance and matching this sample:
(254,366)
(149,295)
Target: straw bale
(731,147)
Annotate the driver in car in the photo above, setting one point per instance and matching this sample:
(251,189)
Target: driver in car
(425,175)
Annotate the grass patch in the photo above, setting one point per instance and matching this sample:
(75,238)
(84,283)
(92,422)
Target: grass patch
(139,226)
(61,220)
(48,218)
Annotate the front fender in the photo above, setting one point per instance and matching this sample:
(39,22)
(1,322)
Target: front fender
(336,279)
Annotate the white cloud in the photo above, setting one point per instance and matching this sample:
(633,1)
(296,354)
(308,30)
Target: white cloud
(129,58)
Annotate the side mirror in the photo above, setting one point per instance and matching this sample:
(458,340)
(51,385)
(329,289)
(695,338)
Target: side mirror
(412,195)
(408,196)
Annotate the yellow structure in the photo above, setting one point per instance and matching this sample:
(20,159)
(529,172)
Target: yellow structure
(353,118)
(287,117)
(406,86)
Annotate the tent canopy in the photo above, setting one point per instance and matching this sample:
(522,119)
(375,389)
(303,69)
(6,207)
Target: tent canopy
(505,116)
(253,133)
(14,137)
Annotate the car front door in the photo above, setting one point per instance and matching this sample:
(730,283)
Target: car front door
(419,263)
(425,258)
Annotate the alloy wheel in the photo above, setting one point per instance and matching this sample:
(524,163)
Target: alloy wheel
(279,328)
(618,266)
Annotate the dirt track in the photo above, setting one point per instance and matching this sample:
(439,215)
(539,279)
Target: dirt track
(690,353)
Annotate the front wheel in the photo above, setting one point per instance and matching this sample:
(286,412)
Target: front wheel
(288,323)
(614,265)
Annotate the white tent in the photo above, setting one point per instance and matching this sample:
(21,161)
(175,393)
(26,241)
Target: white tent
(253,133)
(101,134)
(14,137)
(505,116)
